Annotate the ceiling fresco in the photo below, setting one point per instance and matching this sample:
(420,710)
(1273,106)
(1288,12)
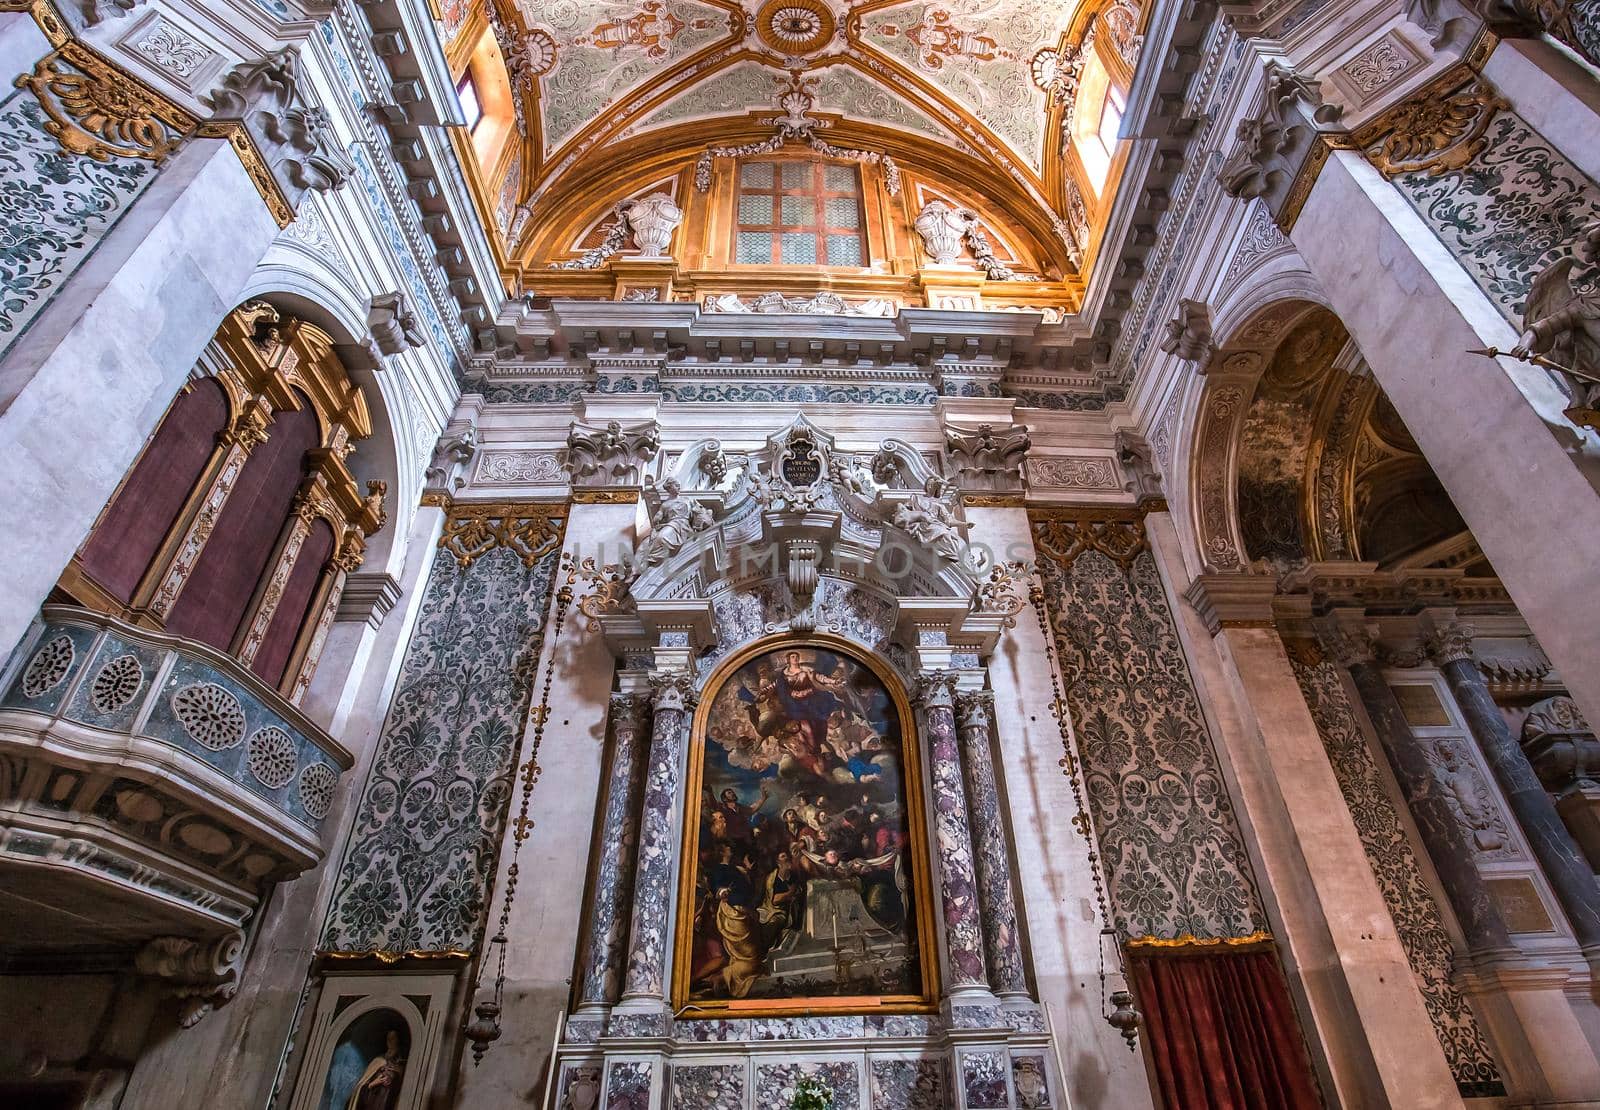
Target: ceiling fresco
(970,75)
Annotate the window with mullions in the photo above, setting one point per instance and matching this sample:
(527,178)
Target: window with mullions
(799,214)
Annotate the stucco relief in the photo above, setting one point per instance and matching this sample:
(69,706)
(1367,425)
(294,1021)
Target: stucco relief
(1174,860)
(1213,476)
(1394,863)
(1084,472)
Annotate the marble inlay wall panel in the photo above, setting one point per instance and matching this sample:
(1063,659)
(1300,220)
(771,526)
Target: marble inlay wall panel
(909,1084)
(55,209)
(1511,210)
(421,853)
(983,1079)
(1394,864)
(775,1082)
(1174,860)
(708,1087)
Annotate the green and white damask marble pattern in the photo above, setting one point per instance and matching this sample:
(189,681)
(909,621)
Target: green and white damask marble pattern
(1175,863)
(1509,212)
(421,854)
(55,209)
(1427,943)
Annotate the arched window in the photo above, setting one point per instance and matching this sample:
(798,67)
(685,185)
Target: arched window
(136,523)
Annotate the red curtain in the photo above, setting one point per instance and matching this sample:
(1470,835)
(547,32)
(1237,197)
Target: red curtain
(218,592)
(1222,1032)
(294,607)
(128,535)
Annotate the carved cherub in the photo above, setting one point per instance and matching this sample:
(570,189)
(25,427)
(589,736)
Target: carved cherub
(1562,323)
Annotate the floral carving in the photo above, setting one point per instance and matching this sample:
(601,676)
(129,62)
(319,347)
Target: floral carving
(271,757)
(316,789)
(473,531)
(101,113)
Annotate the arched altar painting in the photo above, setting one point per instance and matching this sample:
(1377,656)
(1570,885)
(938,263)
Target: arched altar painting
(804,874)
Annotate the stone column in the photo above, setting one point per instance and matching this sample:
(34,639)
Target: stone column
(1450,647)
(644,992)
(1414,312)
(1441,832)
(603,962)
(966,977)
(1002,945)
(1362,1001)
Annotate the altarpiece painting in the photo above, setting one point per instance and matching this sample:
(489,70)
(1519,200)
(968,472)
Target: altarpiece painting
(805,870)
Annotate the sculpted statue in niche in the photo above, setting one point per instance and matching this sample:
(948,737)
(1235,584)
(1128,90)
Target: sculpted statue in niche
(611,456)
(1562,324)
(673,521)
(985,460)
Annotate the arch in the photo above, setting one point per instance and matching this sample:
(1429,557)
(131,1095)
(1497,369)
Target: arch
(295,281)
(403,1009)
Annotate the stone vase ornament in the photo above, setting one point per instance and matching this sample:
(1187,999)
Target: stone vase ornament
(942,229)
(652,220)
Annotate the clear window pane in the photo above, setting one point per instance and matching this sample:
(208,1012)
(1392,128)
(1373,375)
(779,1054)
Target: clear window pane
(755,208)
(755,248)
(839,179)
(757,174)
(796,174)
(799,249)
(844,250)
(843,212)
(799,211)
(467,93)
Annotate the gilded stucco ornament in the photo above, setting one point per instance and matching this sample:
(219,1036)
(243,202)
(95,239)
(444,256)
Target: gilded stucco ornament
(99,112)
(1437,134)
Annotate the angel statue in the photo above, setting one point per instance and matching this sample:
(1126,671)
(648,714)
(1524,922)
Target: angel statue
(609,457)
(929,518)
(675,520)
(1561,325)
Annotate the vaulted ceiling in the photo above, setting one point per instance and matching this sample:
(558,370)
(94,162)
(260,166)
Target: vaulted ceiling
(985,80)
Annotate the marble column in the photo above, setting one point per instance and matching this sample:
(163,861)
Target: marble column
(991,852)
(619,831)
(1441,832)
(644,990)
(1450,647)
(965,973)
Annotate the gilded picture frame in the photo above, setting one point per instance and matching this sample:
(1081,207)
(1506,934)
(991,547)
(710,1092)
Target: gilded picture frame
(923,996)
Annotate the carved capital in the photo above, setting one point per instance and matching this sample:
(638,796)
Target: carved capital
(1347,644)
(1189,334)
(975,709)
(673,690)
(988,459)
(1450,643)
(610,456)
(936,690)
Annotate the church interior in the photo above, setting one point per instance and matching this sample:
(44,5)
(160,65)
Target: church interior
(799,554)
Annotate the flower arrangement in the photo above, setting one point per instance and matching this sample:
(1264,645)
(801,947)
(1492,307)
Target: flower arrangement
(811,1094)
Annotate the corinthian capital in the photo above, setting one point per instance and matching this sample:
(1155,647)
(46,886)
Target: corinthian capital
(1450,643)
(673,690)
(936,690)
(1349,645)
(975,708)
